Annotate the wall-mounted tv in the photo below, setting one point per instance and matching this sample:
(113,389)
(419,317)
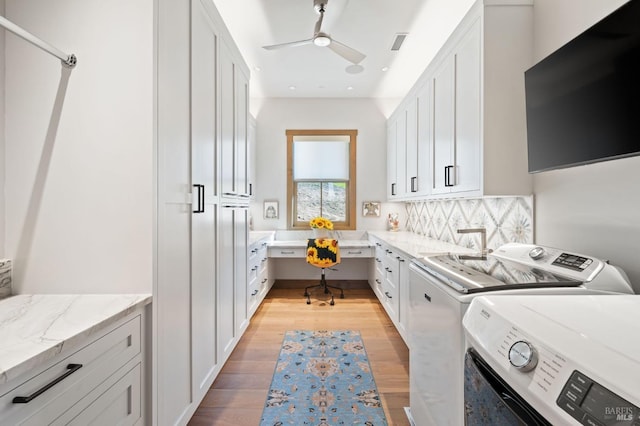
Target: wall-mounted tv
(583,100)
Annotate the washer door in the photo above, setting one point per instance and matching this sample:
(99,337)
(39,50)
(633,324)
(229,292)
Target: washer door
(489,401)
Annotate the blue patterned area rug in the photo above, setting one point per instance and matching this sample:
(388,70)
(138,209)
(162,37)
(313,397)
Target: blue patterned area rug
(323,378)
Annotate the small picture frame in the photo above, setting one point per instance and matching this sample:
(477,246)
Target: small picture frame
(270,209)
(371,208)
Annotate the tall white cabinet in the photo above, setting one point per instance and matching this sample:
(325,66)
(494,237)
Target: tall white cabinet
(200,302)
(463,129)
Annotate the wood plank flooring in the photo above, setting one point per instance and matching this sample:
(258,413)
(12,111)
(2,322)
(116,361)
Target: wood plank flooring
(240,390)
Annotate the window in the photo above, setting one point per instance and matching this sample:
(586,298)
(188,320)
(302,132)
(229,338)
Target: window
(321,177)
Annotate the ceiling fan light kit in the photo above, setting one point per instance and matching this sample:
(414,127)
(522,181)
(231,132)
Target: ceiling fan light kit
(324,40)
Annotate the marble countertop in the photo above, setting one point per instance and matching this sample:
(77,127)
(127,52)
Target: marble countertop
(35,328)
(414,245)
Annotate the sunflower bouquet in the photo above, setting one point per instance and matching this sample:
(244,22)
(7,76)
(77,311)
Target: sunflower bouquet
(321,223)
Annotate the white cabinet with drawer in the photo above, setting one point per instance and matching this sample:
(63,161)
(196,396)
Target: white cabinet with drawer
(390,281)
(98,380)
(258,280)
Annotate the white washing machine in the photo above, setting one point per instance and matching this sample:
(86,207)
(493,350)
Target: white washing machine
(553,360)
(441,288)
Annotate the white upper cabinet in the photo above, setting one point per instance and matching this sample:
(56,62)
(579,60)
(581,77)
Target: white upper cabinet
(470,109)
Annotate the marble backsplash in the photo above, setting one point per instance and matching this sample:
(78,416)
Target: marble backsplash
(506,219)
(5,278)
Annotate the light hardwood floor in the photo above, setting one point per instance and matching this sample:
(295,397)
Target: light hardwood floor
(240,390)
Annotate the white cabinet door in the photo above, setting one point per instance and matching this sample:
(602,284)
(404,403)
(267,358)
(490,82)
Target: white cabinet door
(401,154)
(241,234)
(403,297)
(227,120)
(467,115)
(204,41)
(172,300)
(226,283)
(411,148)
(392,166)
(241,142)
(443,127)
(424,105)
(251,157)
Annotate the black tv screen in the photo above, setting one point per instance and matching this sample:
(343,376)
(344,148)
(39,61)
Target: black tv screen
(583,100)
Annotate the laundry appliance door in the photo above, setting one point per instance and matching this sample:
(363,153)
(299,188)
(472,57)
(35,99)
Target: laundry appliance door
(489,401)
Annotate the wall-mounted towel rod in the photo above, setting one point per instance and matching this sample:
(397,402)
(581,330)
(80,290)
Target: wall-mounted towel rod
(67,60)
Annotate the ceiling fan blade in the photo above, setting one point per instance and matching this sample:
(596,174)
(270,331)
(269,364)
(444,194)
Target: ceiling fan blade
(346,52)
(290,44)
(319,24)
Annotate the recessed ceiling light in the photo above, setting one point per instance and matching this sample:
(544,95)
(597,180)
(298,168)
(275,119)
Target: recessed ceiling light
(354,69)
(292,87)
(349,87)
(385,69)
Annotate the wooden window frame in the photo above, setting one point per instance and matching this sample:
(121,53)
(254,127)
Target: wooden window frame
(350,222)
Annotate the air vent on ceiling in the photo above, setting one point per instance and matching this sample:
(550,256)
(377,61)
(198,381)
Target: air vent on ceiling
(397,42)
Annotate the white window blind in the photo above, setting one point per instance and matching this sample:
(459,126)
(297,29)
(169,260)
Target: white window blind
(321,158)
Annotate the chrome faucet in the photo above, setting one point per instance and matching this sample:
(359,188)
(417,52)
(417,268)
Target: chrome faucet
(483,242)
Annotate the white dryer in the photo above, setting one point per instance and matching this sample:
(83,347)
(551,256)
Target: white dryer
(553,360)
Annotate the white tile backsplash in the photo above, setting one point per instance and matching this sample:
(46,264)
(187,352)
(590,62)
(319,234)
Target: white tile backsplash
(506,219)
(5,278)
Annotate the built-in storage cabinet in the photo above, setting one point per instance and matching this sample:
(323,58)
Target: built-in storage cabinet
(389,280)
(258,275)
(200,297)
(470,109)
(98,383)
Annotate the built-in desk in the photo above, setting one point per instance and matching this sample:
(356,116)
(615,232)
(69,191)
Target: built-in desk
(298,248)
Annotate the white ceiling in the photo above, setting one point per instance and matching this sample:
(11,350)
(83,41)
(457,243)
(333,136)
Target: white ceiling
(369,26)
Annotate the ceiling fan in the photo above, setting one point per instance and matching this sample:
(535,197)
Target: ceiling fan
(322,39)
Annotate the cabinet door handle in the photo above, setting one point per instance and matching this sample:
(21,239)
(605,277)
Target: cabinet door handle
(71,368)
(200,197)
(250,189)
(447,176)
(414,187)
(426,296)
(393,189)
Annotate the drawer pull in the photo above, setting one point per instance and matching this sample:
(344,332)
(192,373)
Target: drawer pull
(386,293)
(286,252)
(355,252)
(71,368)
(426,296)
(254,292)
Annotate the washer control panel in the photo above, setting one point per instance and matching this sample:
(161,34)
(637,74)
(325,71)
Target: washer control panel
(592,404)
(571,265)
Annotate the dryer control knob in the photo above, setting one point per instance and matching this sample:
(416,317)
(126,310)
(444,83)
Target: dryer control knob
(537,253)
(523,356)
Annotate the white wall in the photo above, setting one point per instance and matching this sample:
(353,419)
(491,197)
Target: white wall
(276,115)
(591,209)
(79,147)
(2,155)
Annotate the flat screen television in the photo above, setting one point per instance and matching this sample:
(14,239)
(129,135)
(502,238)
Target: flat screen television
(583,100)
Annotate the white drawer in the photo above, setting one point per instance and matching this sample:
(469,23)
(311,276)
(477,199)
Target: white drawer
(287,252)
(120,404)
(99,360)
(356,252)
